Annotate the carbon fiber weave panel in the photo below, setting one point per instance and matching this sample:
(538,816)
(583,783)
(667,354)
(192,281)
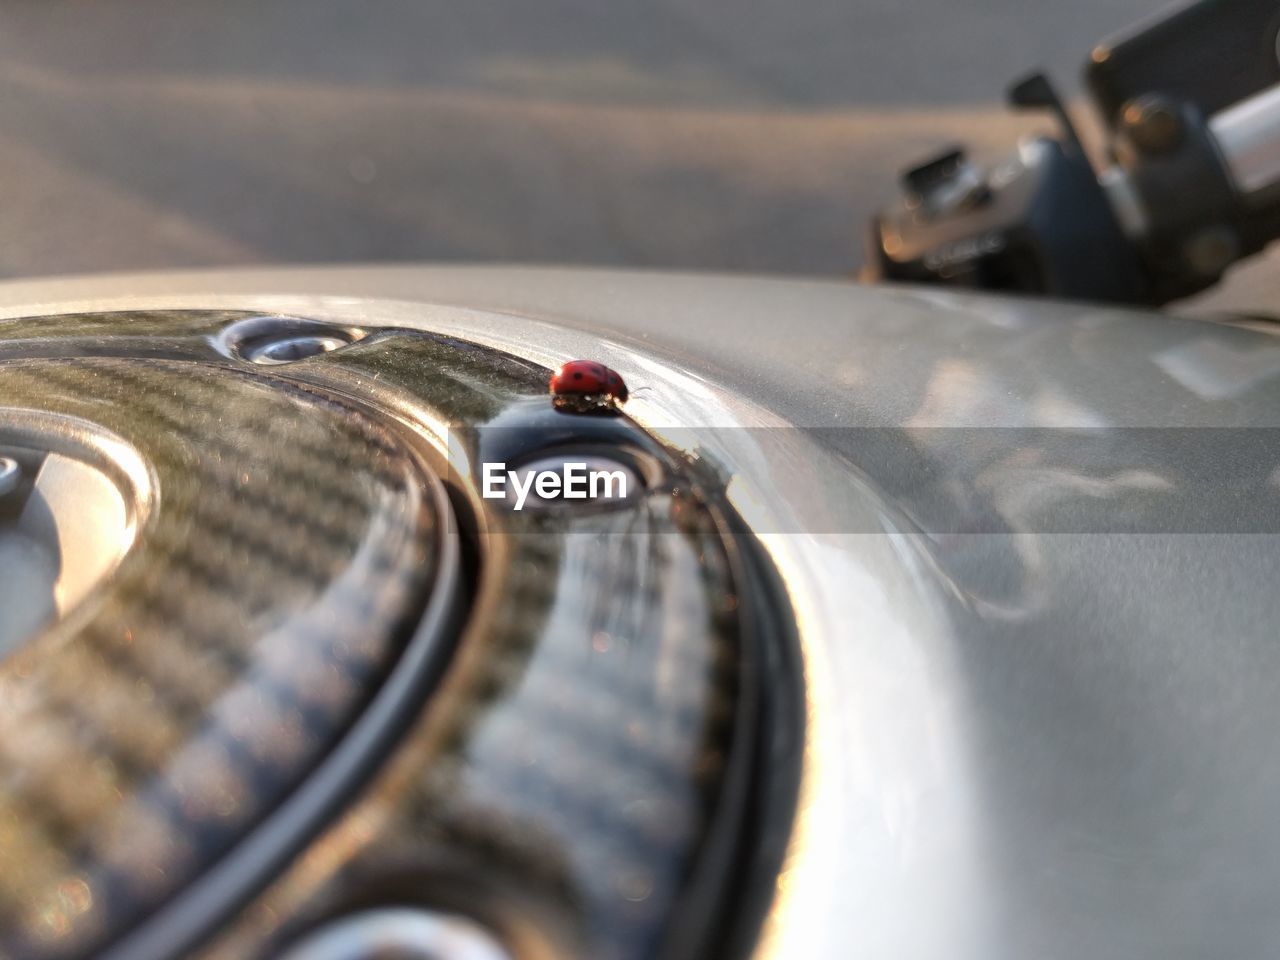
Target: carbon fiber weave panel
(577,781)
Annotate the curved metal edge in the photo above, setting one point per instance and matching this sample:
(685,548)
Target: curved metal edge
(727,900)
(116,458)
(239,339)
(195,914)
(82,440)
(389,929)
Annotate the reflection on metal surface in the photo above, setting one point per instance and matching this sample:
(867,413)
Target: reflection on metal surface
(398,934)
(1051,783)
(271,339)
(10,474)
(292,348)
(1248,134)
(1214,370)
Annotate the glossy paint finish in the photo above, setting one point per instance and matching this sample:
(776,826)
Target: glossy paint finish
(1046,731)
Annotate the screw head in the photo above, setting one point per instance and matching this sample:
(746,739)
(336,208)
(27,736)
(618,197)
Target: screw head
(1153,123)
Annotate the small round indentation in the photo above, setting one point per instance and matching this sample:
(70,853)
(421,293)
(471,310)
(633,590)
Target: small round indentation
(273,340)
(402,933)
(292,348)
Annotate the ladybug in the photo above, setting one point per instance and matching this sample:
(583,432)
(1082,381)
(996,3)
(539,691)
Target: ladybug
(585,386)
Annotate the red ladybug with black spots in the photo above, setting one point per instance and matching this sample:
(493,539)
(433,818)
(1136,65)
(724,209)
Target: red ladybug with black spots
(584,386)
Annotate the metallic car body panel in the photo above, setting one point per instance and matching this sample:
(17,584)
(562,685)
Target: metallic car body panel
(1033,737)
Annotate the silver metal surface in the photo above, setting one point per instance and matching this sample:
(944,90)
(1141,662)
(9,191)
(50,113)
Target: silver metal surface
(292,348)
(10,474)
(89,493)
(403,933)
(965,189)
(1125,202)
(278,338)
(1026,742)
(1248,135)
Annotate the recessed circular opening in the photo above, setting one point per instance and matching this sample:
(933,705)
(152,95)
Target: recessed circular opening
(71,498)
(274,340)
(292,348)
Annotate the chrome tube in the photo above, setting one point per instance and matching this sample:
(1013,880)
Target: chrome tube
(1248,135)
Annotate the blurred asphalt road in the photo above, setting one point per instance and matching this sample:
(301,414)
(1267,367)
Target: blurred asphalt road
(705,134)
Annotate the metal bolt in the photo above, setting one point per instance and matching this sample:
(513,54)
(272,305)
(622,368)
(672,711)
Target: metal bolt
(1153,123)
